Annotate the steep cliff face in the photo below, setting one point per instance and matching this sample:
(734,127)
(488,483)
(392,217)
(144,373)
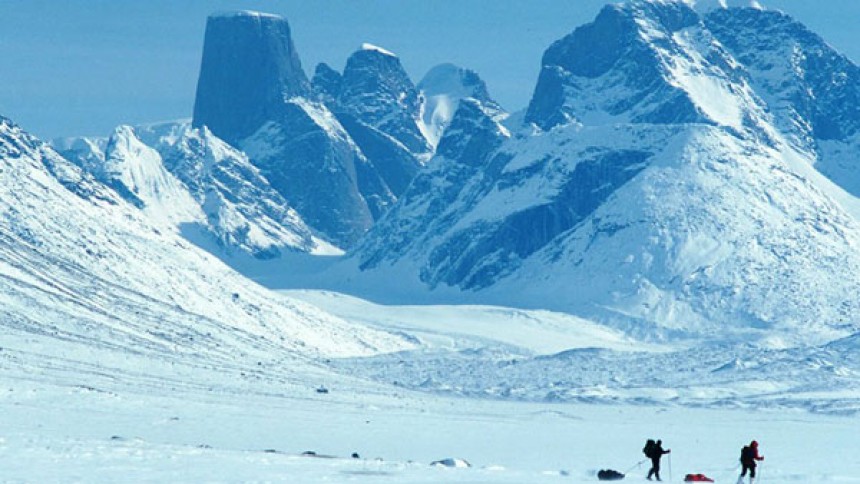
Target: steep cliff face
(326,83)
(311,160)
(378,106)
(428,209)
(240,209)
(250,66)
(376,90)
(648,63)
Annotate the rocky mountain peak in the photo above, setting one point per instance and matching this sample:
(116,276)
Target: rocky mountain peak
(472,133)
(706,6)
(249,67)
(326,83)
(645,61)
(656,191)
(377,91)
(812,92)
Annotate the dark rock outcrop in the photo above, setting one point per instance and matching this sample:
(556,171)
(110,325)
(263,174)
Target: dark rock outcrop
(377,91)
(250,66)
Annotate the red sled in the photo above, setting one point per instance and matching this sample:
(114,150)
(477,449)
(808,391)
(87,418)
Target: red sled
(697,478)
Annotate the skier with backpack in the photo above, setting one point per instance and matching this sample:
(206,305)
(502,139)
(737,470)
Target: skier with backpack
(654,451)
(749,454)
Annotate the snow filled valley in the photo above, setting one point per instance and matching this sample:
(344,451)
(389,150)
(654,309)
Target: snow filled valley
(73,412)
(352,277)
(77,413)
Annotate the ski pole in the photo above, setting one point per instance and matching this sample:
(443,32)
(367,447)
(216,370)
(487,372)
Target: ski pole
(670,467)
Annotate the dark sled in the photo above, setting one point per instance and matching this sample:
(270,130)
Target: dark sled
(609,475)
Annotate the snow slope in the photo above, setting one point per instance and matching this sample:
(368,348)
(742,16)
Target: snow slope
(58,434)
(242,210)
(685,254)
(810,88)
(187,180)
(502,353)
(87,278)
(129,354)
(139,171)
(77,419)
(461,327)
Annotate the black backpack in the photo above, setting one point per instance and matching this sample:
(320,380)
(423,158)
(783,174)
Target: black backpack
(648,450)
(747,454)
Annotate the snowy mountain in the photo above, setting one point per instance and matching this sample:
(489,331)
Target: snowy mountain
(644,62)
(188,180)
(707,6)
(441,90)
(339,150)
(665,191)
(241,209)
(310,159)
(376,90)
(378,105)
(85,273)
(86,152)
(326,83)
(812,91)
(652,189)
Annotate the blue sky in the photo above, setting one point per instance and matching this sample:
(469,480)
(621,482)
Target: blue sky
(81,67)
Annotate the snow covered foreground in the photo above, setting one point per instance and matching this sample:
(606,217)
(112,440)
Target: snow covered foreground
(73,412)
(112,433)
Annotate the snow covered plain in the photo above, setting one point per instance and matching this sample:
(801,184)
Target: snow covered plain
(67,434)
(542,356)
(77,412)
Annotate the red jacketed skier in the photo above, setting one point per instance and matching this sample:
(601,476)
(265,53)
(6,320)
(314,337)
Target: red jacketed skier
(749,455)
